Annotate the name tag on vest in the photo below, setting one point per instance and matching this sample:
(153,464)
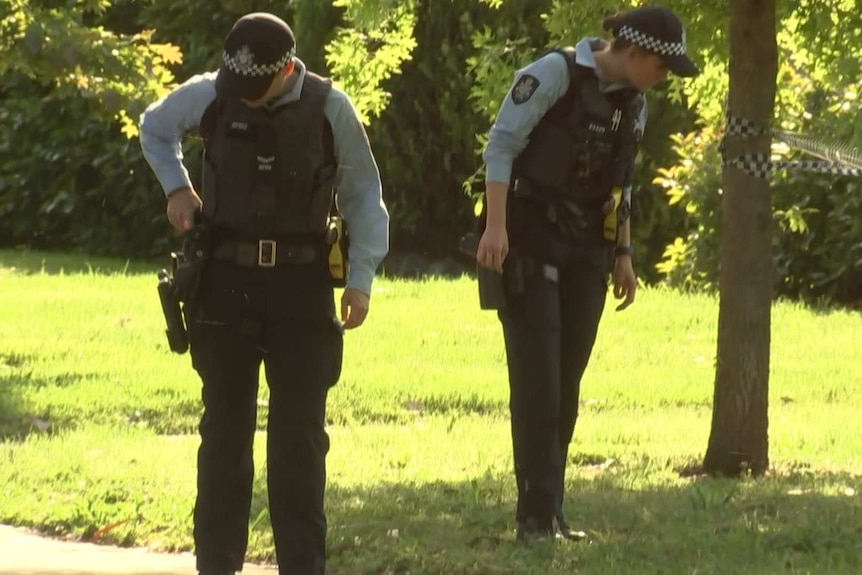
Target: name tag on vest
(242,130)
(265,164)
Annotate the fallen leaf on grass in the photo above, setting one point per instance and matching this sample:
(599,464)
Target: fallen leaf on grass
(97,535)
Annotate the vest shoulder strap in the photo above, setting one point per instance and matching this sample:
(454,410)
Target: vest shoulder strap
(577,72)
(329,144)
(209,120)
(319,87)
(316,88)
(577,75)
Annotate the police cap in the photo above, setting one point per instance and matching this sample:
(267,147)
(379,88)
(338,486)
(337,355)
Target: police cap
(257,48)
(658,30)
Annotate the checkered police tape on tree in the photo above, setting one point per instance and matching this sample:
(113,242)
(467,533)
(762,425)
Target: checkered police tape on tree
(836,159)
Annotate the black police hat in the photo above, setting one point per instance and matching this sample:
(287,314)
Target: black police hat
(257,48)
(658,30)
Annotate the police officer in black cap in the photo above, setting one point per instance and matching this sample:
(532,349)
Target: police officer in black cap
(559,162)
(279,140)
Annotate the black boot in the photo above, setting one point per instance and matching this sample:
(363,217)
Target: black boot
(566,532)
(533,529)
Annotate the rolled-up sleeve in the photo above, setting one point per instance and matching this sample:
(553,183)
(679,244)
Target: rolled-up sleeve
(359,192)
(517,117)
(166,121)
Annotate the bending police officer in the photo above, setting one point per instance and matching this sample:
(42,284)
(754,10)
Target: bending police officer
(559,162)
(278,141)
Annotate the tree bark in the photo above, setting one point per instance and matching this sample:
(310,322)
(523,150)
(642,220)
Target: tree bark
(738,441)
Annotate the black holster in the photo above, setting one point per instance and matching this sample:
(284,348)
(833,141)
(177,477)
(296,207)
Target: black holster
(176,328)
(188,265)
(491,291)
(182,284)
(518,269)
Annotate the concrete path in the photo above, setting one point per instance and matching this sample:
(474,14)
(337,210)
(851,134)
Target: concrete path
(23,552)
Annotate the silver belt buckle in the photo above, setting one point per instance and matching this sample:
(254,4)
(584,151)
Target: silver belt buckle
(266,253)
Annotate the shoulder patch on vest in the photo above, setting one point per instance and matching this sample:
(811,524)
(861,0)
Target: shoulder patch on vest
(524,89)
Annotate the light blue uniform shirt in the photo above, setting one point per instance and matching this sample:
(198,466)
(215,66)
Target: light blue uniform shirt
(511,131)
(360,200)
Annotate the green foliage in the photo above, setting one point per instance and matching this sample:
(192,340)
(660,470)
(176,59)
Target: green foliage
(315,22)
(517,39)
(818,252)
(81,188)
(69,177)
(694,182)
(818,244)
(86,186)
(817,247)
(371,51)
(425,141)
(67,49)
(72,91)
(199,29)
(428,77)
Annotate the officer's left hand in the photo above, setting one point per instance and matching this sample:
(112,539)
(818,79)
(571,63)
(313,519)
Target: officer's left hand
(354,308)
(625,282)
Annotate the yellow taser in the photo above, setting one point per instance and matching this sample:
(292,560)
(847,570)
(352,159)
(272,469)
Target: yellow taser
(611,224)
(338,261)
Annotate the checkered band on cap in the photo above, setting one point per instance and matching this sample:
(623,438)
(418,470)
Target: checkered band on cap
(652,44)
(242,63)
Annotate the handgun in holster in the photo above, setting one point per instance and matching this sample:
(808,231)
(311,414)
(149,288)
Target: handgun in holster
(339,243)
(176,328)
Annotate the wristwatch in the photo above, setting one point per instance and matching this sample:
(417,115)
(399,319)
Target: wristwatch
(623,251)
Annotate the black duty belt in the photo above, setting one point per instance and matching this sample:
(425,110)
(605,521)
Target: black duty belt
(572,218)
(266,253)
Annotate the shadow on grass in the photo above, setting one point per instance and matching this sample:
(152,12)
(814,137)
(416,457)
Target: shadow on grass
(166,411)
(774,525)
(29,262)
(14,421)
(796,522)
(19,418)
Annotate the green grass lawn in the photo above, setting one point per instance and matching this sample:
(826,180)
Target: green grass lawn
(98,419)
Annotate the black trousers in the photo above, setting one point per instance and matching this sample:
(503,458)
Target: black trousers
(285,319)
(549,329)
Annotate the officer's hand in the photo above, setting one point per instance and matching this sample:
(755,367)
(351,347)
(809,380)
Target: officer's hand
(182,205)
(625,282)
(354,308)
(493,249)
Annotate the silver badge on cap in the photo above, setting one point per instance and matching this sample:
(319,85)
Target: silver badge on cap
(243,59)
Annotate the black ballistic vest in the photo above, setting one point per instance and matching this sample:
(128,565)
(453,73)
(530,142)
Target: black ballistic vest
(585,144)
(269,173)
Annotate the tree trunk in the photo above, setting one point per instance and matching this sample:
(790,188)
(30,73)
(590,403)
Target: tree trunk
(738,441)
